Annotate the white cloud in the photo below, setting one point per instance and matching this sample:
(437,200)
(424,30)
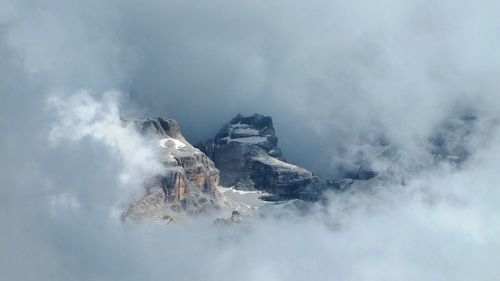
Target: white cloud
(81,116)
(329,72)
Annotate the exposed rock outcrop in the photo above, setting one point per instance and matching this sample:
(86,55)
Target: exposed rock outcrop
(235,218)
(246,153)
(189,182)
(451,140)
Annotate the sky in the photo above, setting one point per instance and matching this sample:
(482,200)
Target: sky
(343,80)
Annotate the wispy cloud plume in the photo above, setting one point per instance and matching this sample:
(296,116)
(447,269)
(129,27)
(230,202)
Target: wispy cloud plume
(80,116)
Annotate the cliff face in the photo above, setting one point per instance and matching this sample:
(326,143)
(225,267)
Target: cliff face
(189,183)
(246,152)
(246,156)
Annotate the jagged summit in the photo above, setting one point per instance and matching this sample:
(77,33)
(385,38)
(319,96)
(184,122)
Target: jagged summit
(245,158)
(246,152)
(256,130)
(243,155)
(189,182)
(157,126)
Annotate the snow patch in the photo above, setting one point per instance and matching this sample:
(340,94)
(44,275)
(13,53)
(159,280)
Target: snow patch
(248,201)
(171,143)
(251,140)
(249,135)
(245,131)
(276,162)
(242,192)
(239,125)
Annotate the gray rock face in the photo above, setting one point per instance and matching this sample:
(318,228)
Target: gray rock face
(159,127)
(234,219)
(246,153)
(189,183)
(451,139)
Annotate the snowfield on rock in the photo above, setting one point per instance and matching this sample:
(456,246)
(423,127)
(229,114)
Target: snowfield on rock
(247,202)
(277,163)
(246,152)
(244,133)
(171,143)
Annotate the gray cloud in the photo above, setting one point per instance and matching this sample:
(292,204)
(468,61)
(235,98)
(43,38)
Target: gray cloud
(325,72)
(335,75)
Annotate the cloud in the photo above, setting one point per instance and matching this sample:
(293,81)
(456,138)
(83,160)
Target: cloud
(337,76)
(80,115)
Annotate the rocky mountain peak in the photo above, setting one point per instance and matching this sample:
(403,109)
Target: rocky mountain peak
(189,182)
(256,130)
(246,152)
(159,127)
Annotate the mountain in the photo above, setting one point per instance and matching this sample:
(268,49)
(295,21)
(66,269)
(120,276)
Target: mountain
(190,179)
(237,169)
(246,152)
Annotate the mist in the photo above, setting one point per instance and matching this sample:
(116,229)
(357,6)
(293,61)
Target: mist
(336,76)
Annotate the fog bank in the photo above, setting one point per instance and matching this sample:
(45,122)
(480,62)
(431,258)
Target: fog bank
(343,80)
